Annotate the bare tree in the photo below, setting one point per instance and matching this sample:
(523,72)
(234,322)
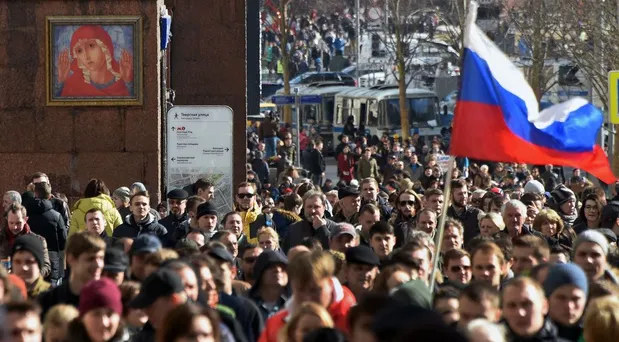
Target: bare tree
(588,38)
(403,37)
(533,21)
(282,14)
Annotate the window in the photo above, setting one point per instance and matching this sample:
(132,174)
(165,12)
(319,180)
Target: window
(328,110)
(420,111)
(373,114)
(568,75)
(332,77)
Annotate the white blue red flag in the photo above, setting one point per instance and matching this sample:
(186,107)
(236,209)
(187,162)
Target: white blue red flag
(497,115)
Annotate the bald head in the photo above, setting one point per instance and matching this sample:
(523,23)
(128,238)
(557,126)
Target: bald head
(296,250)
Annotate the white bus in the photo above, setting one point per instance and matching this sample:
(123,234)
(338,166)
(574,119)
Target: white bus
(378,108)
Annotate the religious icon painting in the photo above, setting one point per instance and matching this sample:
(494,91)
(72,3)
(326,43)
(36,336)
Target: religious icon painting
(94,61)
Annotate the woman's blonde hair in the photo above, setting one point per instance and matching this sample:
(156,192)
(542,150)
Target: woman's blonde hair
(548,216)
(270,232)
(60,316)
(601,320)
(494,217)
(307,308)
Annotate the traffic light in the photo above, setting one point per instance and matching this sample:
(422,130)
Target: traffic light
(375,45)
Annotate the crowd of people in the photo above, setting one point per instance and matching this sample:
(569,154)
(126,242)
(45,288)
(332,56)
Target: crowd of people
(317,43)
(525,254)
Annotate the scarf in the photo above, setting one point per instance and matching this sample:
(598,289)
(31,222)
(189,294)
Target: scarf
(248,218)
(568,219)
(11,238)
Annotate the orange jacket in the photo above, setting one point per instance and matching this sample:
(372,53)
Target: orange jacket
(343,300)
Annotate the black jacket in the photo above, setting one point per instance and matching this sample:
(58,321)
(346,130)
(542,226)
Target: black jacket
(147,334)
(548,333)
(45,221)
(131,229)
(469,221)
(58,295)
(303,229)
(171,224)
(63,209)
(246,313)
(316,162)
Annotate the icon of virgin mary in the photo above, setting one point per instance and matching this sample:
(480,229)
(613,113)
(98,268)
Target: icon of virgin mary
(88,67)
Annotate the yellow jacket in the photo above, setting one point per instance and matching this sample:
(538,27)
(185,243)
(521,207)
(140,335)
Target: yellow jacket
(102,202)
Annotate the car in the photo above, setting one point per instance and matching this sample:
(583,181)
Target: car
(325,76)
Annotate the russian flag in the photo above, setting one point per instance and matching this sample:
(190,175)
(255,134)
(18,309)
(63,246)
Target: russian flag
(497,115)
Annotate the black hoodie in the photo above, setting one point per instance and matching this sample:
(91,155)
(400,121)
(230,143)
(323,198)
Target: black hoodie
(548,333)
(264,261)
(131,229)
(45,221)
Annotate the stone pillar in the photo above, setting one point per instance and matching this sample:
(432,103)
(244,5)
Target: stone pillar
(207,64)
(119,144)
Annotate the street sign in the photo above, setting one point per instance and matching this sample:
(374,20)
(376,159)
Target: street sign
(199,145)
(283,99)
(613,97)
(311,99)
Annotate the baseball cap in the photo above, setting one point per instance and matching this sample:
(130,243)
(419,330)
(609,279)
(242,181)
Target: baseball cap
(145,243)
(159,284)
(220,253)
(343,228)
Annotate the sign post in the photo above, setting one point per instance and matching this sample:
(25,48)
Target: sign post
(613,114)
(613,97)
(199,145)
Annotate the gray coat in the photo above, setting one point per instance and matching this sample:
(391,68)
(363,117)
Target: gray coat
(304,229)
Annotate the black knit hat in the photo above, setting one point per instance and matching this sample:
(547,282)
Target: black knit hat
(560,195)
(206,208)
(32,244)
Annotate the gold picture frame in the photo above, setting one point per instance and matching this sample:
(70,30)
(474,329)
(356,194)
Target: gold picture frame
(94,60)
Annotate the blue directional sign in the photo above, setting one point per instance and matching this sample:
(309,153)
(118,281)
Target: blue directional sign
(311,99)
(283,99)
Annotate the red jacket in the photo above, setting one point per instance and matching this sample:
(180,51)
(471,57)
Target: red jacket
(346,167)
(343,300)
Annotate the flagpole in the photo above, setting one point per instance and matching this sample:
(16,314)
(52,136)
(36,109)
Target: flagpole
(438,238)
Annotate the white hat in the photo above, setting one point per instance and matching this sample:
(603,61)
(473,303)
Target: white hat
(534,187)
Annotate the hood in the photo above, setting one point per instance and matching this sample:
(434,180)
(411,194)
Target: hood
(102,202)
(611,276)
(264,261)
(150,218)
(35,205)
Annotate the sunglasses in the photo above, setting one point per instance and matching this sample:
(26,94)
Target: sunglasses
(245,195)
(460,268)
(403,203)
(250,260)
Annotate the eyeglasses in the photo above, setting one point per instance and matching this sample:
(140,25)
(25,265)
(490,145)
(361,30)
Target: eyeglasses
(460,268)
(403,203)
(245,195)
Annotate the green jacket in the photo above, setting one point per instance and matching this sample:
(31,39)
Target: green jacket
(367,168)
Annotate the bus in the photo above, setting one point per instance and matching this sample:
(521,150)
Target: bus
(321,115)
(378,108)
